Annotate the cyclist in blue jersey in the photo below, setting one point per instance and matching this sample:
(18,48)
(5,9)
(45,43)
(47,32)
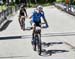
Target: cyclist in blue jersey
(40,9)
(36,17)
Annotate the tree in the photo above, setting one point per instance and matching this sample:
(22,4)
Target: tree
(71,2)
(17,1)
(51,1)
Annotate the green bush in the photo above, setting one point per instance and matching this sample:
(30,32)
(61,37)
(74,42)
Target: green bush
(60,1)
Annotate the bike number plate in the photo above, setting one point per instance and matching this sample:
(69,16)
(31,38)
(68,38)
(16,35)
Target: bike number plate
(38,28)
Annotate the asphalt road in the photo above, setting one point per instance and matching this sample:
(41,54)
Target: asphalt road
(58,38)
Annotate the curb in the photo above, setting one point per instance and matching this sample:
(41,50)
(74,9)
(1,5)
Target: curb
(64,9)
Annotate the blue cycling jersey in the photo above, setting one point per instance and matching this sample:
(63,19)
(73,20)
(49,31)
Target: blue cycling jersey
(36,17)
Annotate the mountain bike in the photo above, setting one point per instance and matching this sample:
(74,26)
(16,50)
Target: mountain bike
(36,41)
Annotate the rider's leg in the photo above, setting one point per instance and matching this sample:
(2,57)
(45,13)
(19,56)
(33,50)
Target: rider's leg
(22,19)
(23,22)
(19,20)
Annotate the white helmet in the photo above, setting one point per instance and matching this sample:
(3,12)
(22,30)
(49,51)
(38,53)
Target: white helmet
(39,7)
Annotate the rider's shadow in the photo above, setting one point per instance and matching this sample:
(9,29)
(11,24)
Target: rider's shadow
(50,43)
(50,52)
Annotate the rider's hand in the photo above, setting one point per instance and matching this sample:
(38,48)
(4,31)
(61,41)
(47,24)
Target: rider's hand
(29,17)
(26,16)
(47,26)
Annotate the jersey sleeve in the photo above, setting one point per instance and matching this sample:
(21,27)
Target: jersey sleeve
(33,13)
(43,15)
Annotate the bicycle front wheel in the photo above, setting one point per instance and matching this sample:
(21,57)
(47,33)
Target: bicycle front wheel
(39,44)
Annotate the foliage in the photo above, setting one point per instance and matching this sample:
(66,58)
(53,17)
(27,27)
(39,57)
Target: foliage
(60,1)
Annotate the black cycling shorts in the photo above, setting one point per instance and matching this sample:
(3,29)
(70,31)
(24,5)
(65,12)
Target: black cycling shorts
(37,23)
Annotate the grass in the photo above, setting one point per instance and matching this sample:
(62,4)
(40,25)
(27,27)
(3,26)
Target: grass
(2,8)
(59,1)
(46,4)
(34,5)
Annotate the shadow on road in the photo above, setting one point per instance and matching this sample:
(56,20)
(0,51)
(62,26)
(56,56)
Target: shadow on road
(44,44)
(5,25)
(43,35)
(50,52)
(16,37)
(13,57)
(10,37)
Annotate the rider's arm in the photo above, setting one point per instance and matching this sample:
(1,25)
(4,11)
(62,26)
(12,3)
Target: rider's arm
(31,15)
(19,14)
(25,12)
(43,16)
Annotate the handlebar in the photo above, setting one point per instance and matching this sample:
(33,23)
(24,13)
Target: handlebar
(30,28)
